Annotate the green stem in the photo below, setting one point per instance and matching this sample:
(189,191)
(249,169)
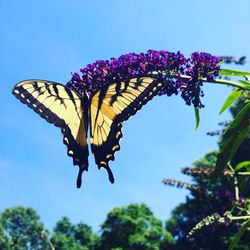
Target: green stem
(227,82)
(236,187)
(239,173)
(216,81)
(243,173)
(239,217)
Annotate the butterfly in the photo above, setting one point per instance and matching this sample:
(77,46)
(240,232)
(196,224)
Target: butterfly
(77,112)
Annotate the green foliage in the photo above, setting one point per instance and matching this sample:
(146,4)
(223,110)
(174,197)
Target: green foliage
(237,107)
(243,164)
(197,117)
(245,84)
(242,153)
(215,197)
(67,236)
(5,242)
(234,96)
(230,72)
(134,227)
(239,235)
(126,228)
(233,137)
(201,204)
(218,196)
(21,229)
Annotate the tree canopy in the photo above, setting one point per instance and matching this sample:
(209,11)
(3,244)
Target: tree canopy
(21,229)
(67,236)
(125,228)
(133,227)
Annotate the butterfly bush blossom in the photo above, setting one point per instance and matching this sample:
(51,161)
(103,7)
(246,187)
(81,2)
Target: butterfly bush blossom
(167,67)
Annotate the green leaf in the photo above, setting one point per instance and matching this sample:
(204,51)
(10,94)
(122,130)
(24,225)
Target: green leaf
(231,99)
(230,72)
(246,84)
(242,165)
(232,139)
(197,117)
(243,183)
(238,235)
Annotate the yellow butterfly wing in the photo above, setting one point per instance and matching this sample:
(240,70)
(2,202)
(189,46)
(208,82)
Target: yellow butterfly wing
(109,107)
(62,107)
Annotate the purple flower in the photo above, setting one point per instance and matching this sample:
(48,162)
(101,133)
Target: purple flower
(200,65)
(165,66)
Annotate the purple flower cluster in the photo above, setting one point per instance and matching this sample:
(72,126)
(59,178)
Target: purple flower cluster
(167,67)
(200,65)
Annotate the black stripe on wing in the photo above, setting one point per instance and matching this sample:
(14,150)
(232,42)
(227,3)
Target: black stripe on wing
(37,93)
(105,152)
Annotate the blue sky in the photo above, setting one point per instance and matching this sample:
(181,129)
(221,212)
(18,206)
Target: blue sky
(49,40)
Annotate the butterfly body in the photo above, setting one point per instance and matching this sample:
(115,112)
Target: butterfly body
(76,112)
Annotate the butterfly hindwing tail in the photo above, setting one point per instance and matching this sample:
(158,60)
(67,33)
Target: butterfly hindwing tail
(111,106)
(62,107)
